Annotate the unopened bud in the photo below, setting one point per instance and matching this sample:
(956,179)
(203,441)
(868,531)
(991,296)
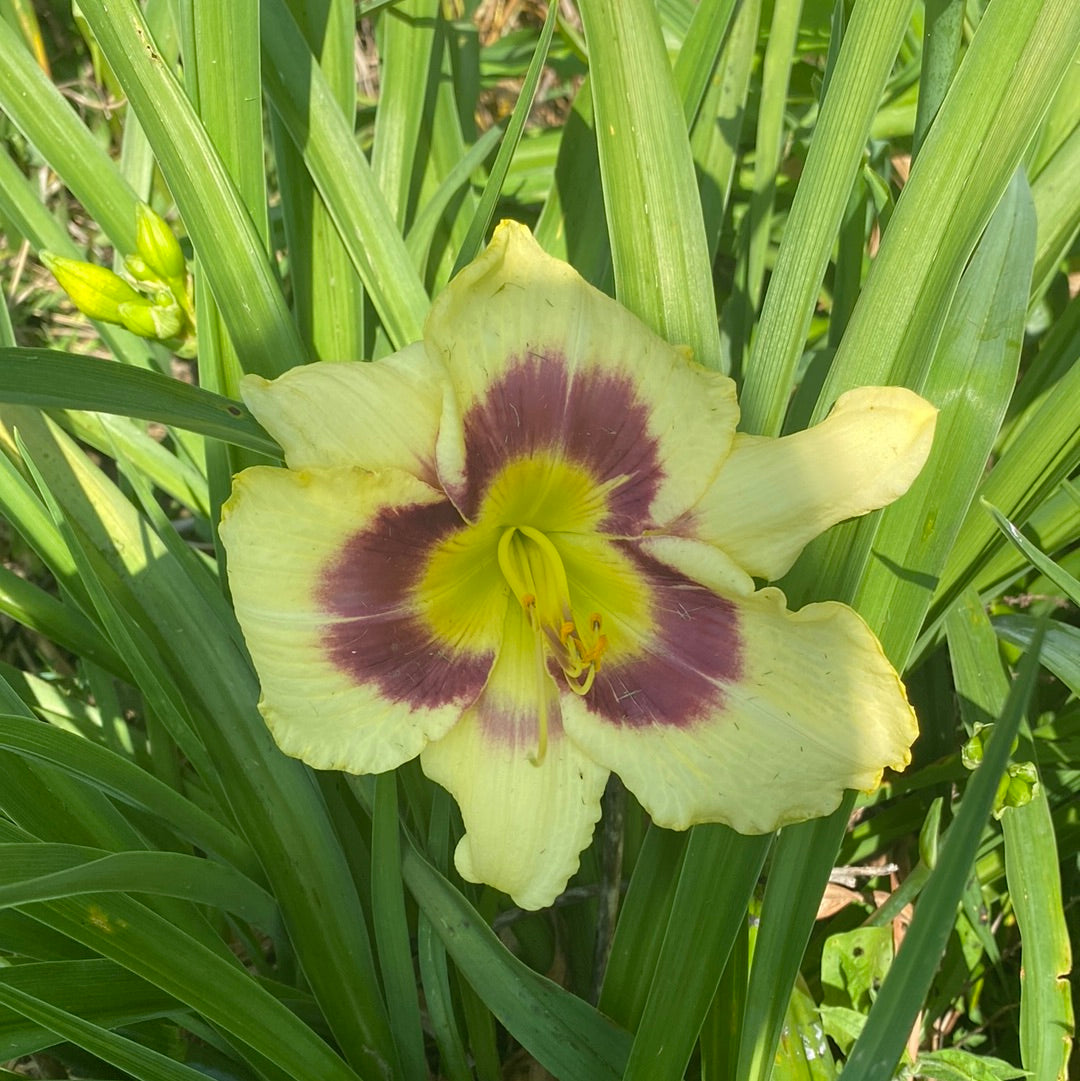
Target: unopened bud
(150,320)
(136,266)
(94,290)
(157,244)
(1017,787)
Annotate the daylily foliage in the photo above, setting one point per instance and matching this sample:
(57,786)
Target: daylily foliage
(524,549)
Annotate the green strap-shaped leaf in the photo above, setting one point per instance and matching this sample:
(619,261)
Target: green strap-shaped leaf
(274,799)
(408,40)
(168,874)
(659,251)
(97,990)
(905,987)
(123,780)
(28,96)
(832,163)
(1061,646)
(50,379)
(478,227)
(307,107)
(221,231)
(135,1059)
(1020,53)
(714,890)
(565,1034)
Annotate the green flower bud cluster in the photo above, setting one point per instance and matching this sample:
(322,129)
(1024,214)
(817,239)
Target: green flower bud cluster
(1018,784)
(158,305)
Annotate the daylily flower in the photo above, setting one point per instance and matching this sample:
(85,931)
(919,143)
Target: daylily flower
(524,549)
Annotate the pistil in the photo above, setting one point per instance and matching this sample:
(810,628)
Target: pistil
(534,571)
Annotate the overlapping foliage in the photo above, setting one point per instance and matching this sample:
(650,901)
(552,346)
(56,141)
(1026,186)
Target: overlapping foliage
(814,196)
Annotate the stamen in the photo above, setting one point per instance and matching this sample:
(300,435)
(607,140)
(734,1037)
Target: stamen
(534,571)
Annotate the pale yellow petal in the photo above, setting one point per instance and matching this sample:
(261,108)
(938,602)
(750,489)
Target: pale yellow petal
(529,798)
(808,707)
(378,415)
(324,568)
(773,496)
(540,361)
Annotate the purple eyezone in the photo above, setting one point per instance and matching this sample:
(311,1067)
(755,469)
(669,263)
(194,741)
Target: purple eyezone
(592,418)
(376,636)
(694,651)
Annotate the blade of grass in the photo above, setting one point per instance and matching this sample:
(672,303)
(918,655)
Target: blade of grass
(639,934)
(1040,456)
(571,225)
(769,141)
(328,298)
(566,1035)
(96,990)
(798,873)
(435,206)
(124,781)
(478,227)
(406,54)
(1061,645)
(274,799)
(129,442)
(714,138)
(31,606)
(1057,574)
(714,890)
(972,377)
(1031,862)
(1017,58)
(942,34)
(451,131)
(221,231)
(169,874)
(50,805)
(392,937)
(904,989)
(1057,199)
(698,55)
(307,107)
(50,379)
(141,1062)
(37,108)
(659,252)
(222,78)
(835,157)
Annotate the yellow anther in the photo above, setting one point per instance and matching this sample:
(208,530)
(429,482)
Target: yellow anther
(533,569)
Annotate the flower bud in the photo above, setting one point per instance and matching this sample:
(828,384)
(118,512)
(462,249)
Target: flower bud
(94,290)
(1017,788)
(150,320)
(157,244)
(136,266)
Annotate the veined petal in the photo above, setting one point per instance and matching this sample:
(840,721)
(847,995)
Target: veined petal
(773,496)
(378,415)
(541,362)
(325,568)
(528,796)
(739,711)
